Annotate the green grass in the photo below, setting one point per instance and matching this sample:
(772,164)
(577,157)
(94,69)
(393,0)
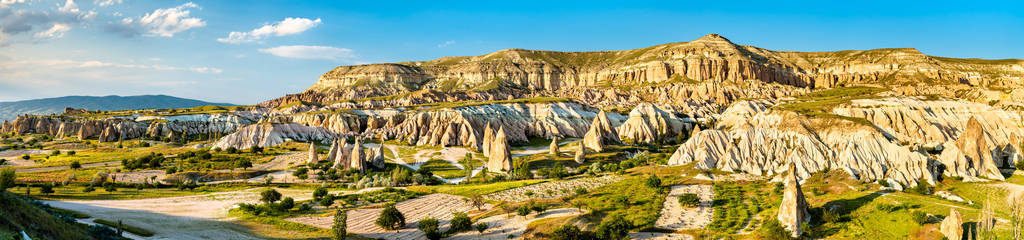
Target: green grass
(444,169)
(19,214)
(127,228)
(75,192)
(474,189)
(820,103)
(277,222)
(512,101)
(72,213)
(629,198)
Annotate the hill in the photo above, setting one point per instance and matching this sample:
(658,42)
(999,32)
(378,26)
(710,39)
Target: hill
(11,110)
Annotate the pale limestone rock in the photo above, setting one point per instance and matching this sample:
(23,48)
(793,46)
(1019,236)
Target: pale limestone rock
(333,152)
(952,227)
(488,140)
(376,156)
(500,157)
(793,210)
(972,155)
(580,155)
(601,131)
(357,159)
(648,124)
(271,134)
(313,158)
(553,149)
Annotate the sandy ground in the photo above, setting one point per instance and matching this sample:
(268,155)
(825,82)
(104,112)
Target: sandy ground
(146,176)
(554,189)
(660,236)
(676,217)
(361,221)
(13,157)
(502,226)
(526,151)
(188,217)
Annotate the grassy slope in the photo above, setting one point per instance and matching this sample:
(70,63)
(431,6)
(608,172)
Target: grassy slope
(17,214)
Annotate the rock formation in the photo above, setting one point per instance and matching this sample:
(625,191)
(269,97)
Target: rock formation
(265,135)
(793,210)
(488,140)
(333,152)
(580,155)
(952,227)
(375,156)
(553,149)
(648,124)
(972,155)
(500,159)
(601,131)
(312,153)
(357,159)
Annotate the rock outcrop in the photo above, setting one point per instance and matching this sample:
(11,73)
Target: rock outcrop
(580,155)
(793,211)
(952,227)
(357,158)
(375,156)
(648,124)
(333,152)
(265,135)
(488,140)
(500,158)
(553,148)
(601,131)
(313,158)
(973,155)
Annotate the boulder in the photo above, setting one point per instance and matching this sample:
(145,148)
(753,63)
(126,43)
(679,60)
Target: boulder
(500,159)
(376,156)
(952,227)
(793,210)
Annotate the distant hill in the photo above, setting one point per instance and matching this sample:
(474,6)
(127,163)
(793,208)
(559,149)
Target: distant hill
(11,110)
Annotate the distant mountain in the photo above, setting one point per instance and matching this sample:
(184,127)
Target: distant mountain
(11,110)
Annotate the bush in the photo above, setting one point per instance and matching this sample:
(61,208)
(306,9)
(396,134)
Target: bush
(772,229)
(523,211)
(429,226)
(830,216)
(653,181)
(921,188)
(26,157)
(327,200)
(390,218)
(887,207)
(71,153)
(460,222)
(614,227)
(1019,165)
(919,217)
(539,207)
(581,191)
(286,204)
(270,196)
(46,188)
(689,200)
(89,189)
(110,187)
(76,165)
(102,233)
(481,227)
(569,232)
(319,193)
(232,150)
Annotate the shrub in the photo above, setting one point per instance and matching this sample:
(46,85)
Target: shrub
(614,227)
(340,227)
(569,232)
(921,188)
(7,177)
(26,157)
(429,226)
(1019,165)
(270,196)
(46,188)
(110,187)
(830,216)
(919,217)
(319,193)
(286,204)
(71,153)
(689,200)
(481,227)
(76,165)
(581,191)
(539,207)
(887,207)
(772,229)
(232,150)
(102,232)
(523,211)
(89,189)
(243,164)
(460,222)
(390,218)
(327,200)
(653,181)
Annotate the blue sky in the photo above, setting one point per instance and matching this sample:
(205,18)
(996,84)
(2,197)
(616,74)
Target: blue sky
(188,48)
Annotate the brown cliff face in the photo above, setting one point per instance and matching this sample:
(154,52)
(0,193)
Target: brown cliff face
(711,58)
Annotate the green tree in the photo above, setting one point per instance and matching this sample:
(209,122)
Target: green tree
(244,164)
(614,227)
(270,196)
(76,165)
(340,227)
(319,193)
(327,200)
(429,226)
(286,204)
(7,177)
(569,232)
(481,227)
(460,222)
(390,218)
(46,188)
(689,200)
(653,181)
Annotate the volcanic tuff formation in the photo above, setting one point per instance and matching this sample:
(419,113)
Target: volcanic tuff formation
(952,227)
(733,108)
(793,210)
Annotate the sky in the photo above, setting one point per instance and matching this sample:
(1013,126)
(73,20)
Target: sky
(245,52)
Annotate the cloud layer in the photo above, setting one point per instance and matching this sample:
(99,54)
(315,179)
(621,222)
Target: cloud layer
(288,26)
(310,52)
(164,22)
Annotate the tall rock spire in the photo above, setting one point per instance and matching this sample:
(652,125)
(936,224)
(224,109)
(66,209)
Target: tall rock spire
(313,158)
(500,157)
(793,210)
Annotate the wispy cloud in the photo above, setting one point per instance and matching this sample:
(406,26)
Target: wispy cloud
(104,3)
(72,64)
(446,43)
(56,31)
(310,52)
(288,26)
(164,22)
(46,24)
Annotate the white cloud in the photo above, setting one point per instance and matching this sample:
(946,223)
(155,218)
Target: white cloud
(310,52)
(56,31)
(7,3)
(104,3)
(72,64)
(446,43)
(288,26)
(69,7)
(164,22)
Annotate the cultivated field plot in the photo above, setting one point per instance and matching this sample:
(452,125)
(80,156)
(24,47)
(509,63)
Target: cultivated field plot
(676,217)
(361,221)
(548,190)
(505,227)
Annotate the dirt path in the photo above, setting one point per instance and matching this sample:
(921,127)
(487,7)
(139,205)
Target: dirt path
(675,217)
(188,217)
(361,221)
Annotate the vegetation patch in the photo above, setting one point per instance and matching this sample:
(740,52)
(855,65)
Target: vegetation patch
(127,228)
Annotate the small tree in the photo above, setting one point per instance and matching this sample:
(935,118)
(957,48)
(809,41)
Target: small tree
(270,196)
(7,177)
(429,226)
(327,200)
(689,200)
(46,188)
(71,153)
(460,222)
(476,200)
(340,227)
(481,227)
(653,181)
(26,157)
(319,193)
(390,218)
(286,204)
(76,165)
(568,232)
(615,227)
(244,164)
